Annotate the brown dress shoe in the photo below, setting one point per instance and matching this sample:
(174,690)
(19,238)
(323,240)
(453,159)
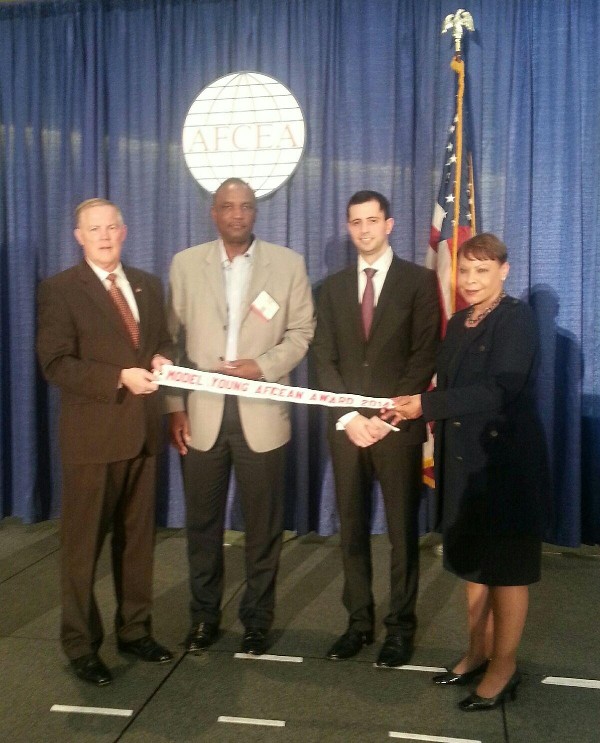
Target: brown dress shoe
(146,649)
(90,668)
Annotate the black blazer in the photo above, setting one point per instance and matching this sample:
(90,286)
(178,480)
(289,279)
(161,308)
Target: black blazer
(398,358)
(490,456)
(82,346)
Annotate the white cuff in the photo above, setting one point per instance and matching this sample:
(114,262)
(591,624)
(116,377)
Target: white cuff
(345,419)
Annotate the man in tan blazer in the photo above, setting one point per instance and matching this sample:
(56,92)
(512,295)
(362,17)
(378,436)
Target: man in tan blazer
(100,350)
(242,307)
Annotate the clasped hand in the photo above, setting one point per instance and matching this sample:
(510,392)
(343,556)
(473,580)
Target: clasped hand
(406,407)
(179,423)
(363,431)
(246,368)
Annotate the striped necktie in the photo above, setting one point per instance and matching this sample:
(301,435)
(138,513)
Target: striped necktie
(124,310)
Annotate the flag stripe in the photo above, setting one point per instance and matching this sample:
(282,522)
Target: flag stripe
(452,223)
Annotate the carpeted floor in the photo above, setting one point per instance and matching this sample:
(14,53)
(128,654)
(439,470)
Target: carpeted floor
(294,694)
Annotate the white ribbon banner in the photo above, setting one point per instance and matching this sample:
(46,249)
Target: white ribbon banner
(223,384)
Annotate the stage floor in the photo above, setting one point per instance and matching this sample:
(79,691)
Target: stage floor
(293,694)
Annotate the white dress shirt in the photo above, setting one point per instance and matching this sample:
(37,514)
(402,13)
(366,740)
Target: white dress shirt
(122,283)
(381,265)
(236,274)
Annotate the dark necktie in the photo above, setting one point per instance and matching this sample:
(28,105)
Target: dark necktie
(124,310)
(367,306)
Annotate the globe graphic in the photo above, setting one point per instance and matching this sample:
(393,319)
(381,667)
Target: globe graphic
(244,125)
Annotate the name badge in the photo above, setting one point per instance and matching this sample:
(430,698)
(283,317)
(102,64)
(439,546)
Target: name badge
(265,306)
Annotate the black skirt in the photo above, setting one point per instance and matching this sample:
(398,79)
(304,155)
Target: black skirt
(498,560)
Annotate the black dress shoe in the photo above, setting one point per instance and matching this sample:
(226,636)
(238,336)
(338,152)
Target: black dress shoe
(396,651)
(254,641)
(201,636)
(349,644)
(475,703)
(147,649)
(91,669)
(450,678)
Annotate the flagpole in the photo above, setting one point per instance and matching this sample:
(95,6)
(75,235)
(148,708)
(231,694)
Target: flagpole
(449,226)
(457,23)
(458,66)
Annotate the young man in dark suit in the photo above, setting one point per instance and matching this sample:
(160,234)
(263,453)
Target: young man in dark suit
(377,332)
(101,334)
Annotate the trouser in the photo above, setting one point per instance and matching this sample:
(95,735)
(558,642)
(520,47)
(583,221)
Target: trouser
(398,469)
(94,496)
(260,479)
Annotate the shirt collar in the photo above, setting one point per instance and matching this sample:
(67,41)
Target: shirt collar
(102,273)
(225,262)
(381,264)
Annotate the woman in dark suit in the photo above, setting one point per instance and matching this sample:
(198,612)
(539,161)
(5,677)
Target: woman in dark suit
(490,467)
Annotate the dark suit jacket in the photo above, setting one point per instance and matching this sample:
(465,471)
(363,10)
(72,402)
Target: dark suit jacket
(82,345)
(490,455)
(398,358)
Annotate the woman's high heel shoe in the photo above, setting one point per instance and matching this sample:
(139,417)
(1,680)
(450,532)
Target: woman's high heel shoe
(450,678)
(475,703)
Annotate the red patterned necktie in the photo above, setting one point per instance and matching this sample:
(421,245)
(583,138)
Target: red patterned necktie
(367,306)
(124,310)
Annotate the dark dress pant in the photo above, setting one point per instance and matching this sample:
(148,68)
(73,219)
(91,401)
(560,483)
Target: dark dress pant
(399,471)
(260,479)
(94,497)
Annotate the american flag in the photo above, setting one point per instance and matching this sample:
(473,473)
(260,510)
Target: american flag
(443,242)
(453,222)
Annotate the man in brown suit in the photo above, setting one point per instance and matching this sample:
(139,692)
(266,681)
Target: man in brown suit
(101,329)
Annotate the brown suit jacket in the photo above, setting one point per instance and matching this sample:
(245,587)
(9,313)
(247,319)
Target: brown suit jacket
(82,346)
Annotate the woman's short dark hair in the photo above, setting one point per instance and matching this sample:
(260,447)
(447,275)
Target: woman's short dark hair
(484,247)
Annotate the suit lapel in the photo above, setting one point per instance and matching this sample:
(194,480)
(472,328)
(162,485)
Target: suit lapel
(258,277)
(474,335)
(95,290)
(214,275)
(140,294)
(348,302)
(390,287)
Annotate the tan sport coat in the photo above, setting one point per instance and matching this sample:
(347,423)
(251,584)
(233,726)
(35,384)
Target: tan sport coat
(198,326)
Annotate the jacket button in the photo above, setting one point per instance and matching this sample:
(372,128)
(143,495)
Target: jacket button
(457,424)
(493,433)
(365,364)
(482,348)
(459,459)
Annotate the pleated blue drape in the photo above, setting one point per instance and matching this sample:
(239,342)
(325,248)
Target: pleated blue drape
(93,96)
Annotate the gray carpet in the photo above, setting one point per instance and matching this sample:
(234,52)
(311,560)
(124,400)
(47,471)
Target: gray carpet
(313,700)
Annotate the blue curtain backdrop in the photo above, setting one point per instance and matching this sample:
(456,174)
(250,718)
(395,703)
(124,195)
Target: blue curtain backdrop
(93,96)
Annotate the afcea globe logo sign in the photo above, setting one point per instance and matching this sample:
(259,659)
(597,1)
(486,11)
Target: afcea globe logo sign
(244,125)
